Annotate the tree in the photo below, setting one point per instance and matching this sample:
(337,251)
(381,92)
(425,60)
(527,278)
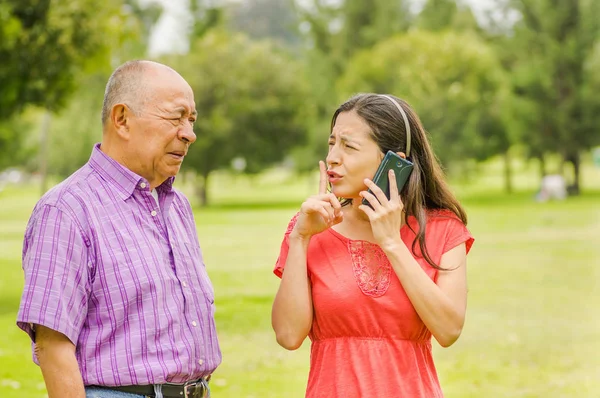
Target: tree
(453,81)
(266,19)
(45,48)
(251,99)
(16,146)
(446,14)
(339,29)
(334,31)
(71,138)
(552,45)
(206,15)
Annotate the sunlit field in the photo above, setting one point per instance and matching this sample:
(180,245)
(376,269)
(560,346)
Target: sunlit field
(532,326)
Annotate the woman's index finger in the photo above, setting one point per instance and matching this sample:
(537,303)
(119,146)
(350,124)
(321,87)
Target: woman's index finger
(322,178)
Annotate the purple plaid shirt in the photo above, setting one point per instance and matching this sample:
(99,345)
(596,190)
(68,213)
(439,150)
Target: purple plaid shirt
(121,277)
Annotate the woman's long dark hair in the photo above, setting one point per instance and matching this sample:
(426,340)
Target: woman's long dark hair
(426,189)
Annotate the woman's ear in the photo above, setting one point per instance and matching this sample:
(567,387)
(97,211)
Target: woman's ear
(401,154)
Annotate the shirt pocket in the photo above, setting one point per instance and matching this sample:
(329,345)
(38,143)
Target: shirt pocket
(197,271)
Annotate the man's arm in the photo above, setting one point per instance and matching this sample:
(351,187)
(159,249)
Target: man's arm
(56,355)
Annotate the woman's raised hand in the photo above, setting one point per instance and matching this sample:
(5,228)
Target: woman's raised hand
(386,216)
(318,212)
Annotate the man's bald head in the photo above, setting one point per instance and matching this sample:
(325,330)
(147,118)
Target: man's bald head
(148,120)
(129,84)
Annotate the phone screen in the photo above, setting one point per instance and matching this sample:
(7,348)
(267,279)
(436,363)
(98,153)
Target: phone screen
(402,168)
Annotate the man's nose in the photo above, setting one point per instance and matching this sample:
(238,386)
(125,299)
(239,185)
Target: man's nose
(187,134)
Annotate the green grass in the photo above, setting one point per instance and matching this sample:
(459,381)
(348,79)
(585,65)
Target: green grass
(532,326)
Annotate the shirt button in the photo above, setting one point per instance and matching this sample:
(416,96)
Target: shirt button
(184,284)
(194,324)
(143,185)
(153,213)
(200,362)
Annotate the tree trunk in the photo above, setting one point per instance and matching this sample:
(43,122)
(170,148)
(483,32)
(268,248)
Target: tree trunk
(576,161)
(202,189)
(44,152)
(542,166)
(508,187)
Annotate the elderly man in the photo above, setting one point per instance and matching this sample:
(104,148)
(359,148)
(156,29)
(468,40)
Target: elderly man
(117,300)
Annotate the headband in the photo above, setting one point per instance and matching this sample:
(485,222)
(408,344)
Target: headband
(406,124)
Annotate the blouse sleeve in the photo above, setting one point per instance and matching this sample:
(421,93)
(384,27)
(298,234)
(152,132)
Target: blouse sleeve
(283,252)
(456,234)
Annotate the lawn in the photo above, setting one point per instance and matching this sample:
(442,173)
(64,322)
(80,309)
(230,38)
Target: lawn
(532,326)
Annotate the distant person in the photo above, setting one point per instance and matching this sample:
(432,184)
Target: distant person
(553,186)
(370,286)
(117,300)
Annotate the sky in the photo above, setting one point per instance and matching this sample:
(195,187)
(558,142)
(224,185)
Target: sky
(169,33)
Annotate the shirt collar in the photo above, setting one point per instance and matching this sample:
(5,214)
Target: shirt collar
(125,180)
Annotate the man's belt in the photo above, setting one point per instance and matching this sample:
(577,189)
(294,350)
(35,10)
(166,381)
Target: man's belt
(192,389)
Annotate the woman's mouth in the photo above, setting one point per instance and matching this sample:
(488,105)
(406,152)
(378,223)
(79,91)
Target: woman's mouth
(333,177)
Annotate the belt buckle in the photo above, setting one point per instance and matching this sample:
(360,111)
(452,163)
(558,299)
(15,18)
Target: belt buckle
(195,389)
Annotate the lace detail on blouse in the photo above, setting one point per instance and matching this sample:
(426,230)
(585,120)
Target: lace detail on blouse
(372,269)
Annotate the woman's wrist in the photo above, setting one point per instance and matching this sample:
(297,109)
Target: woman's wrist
(393,246)
(297,237)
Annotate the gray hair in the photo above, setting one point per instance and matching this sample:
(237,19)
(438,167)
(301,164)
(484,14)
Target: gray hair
(126,85)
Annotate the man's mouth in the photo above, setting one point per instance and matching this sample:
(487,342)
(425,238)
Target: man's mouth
(177,154)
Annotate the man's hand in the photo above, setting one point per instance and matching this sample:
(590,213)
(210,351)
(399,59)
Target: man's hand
(56,354)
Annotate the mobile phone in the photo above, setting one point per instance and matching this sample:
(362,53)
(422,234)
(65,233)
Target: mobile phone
(402,168)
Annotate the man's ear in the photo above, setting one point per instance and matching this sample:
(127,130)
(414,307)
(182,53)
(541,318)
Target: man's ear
(120,117)
(401,154)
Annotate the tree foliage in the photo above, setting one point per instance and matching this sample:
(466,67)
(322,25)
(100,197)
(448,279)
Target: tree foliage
(338,29)
(251,99)
(44,45)
(75,129)
(266,19)
(551,60)
(452,80)
(446,14)
(47,48)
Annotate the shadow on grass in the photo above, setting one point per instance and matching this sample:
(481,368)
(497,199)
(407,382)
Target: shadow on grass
(251,205)
(521,198)
(491,198)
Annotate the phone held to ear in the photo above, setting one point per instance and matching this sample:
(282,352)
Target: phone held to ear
(391,161)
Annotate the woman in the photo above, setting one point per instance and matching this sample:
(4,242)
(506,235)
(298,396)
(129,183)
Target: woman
(370,285)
